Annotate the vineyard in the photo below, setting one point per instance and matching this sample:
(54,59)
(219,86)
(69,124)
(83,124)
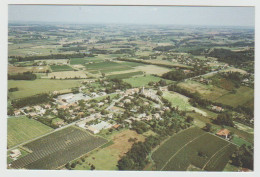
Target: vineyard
(193,146)
(56,149)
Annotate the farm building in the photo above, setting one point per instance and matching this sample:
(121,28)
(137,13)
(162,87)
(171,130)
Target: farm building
(217,108)
(15,153)
(223,133)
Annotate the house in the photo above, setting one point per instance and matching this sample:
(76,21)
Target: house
(80,114)
(100,104)
(15,153)
(63,107)
(217,108)
(92,130)
(127,101)
(91,110)
(116,126)
(223,133)
(47,106)
(17,112)
(32,114)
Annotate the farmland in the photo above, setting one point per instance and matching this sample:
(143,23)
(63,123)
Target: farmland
(67,75)
(21,129)
(57,68)
(56,149)
(180,155)
(29,88)
(125,75)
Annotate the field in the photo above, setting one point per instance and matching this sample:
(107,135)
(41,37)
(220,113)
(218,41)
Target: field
(83,61)
(142,80)
(21,129)
(107,157)
(109,66)
(180,101)
(57,68)
(29,88)
(35,69)
(193,147)
(56,149)
(67,74)
(241,97)
(125,75)
(207,91)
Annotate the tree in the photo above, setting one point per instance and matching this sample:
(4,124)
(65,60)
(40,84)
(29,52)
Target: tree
(159,92)
(207,127)
(103,74)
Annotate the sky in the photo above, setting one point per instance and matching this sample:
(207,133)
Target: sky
(170,15)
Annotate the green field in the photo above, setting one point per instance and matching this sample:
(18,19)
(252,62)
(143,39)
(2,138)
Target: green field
(22,129)
(125,75)
(29,88)
(193,147)
(57,68)
(83,61)
(142,80)
(178,100)
(241,97)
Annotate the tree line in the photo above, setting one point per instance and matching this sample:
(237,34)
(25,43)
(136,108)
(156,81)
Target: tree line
(23,76)
(32,100)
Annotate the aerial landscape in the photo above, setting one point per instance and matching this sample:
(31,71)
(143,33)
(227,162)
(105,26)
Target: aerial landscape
(119,96)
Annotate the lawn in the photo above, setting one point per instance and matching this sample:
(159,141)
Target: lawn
(142,80)
(57,68)
(29,88)
(21,129)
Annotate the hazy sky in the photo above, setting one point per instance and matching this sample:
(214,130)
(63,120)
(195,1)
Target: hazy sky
(227,16)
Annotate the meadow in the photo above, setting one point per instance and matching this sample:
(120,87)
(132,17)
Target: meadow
(29,88)
(125,75)
(21,129)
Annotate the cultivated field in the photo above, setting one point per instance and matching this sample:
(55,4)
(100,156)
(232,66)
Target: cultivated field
(125,75)
(21,129)
(29,88)
(56,149)
(193,147)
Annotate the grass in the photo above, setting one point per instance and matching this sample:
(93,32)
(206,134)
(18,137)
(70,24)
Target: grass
(142,80)
(242,96)
(57,68)
(23,153)
(29,88)
(239,141)
(21,129)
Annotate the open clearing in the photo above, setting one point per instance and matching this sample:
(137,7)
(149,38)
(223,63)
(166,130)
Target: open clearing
(21,129)
(29,88)
(67,74)
(58,148)
(181,101)
(107,158)
(57,68)
(193,147)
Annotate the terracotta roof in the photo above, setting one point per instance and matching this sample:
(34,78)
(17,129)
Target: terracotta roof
(116,126)
(223,132)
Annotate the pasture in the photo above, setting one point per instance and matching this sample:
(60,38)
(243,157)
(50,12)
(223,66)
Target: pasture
(29,88)
(125,75)
(193,147)
(21,129)
(58,148)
